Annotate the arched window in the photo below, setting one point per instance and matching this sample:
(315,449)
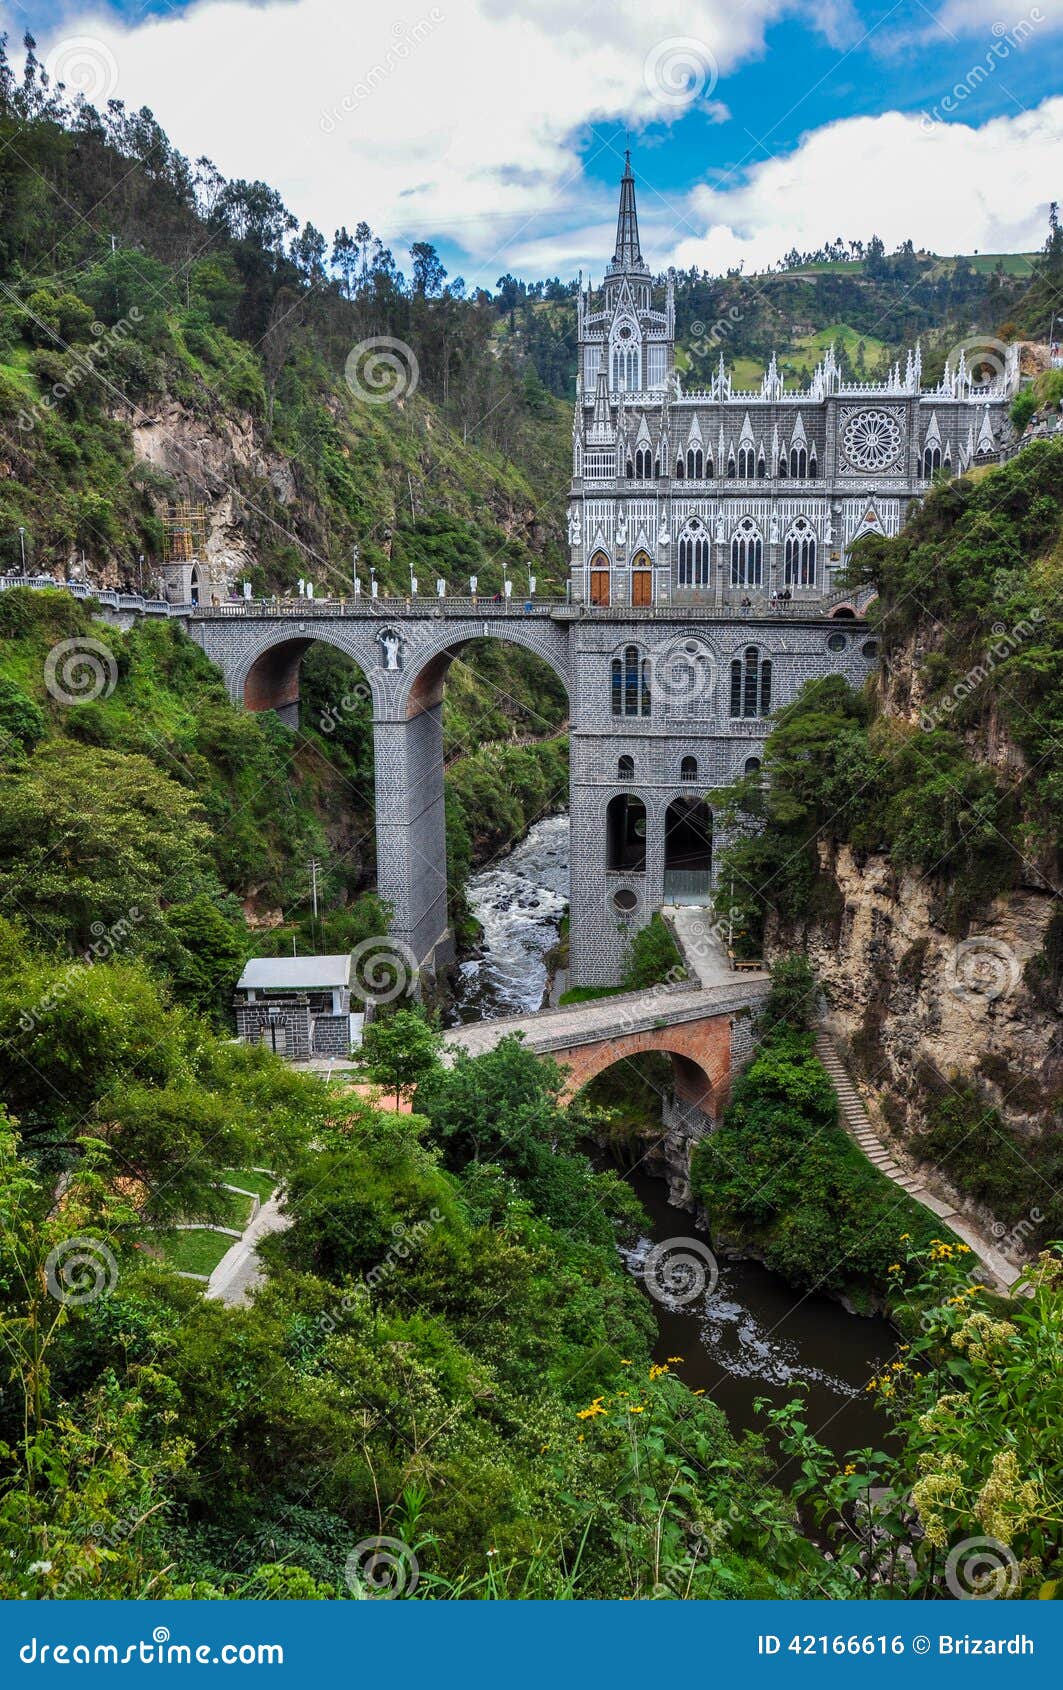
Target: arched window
(931,461)
(625,768)
(630,469)
(625,834)
(625,366)
(798,463)
(630,683)
(751,765)
(695,553)
(643,464)
(679,472)
(751,684)
(747,555)
(745,463)
(688,769)
(799,555)
(695,463)
(762,468)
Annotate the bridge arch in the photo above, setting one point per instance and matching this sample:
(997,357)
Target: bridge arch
(430,655)
(700,1058)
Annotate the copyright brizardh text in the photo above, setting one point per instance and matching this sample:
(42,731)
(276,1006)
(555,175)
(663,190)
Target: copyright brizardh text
(882,1643)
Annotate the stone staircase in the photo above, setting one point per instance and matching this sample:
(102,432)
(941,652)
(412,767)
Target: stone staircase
(857,1123)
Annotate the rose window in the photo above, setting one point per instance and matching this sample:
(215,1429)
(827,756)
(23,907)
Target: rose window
(872,440)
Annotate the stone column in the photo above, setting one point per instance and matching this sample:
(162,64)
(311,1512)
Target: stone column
(411,831)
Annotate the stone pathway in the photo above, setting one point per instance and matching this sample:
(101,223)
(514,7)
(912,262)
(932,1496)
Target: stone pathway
(703,950)
(240,1270)
(857,1123)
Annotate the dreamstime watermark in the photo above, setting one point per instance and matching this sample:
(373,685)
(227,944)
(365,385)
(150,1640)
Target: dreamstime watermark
(382,969)
(80,1270)
(1006,641)
(80,670)
(81,366)
(981,1569)
(984,359)
(84,65)
(1013,1240)
(406,1241)
(680,70)
(678,1271)
(333,714)
(981,968)
(105,944)
(402,45)
(381,1568)
(1009,39)
(382,370)
(708,337)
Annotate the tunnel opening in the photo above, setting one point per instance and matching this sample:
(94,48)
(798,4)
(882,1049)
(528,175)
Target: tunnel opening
(688,852)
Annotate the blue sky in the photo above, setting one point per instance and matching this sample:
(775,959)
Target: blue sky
(496,128)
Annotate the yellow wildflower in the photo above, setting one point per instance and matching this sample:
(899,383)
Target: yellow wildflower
(849,1468)
(675,1358)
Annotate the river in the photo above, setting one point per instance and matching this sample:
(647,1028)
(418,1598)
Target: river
(754,1335)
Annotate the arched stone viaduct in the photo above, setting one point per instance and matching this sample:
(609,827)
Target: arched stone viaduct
(654,747)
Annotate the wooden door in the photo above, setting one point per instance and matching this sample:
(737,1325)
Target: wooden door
(600,586)
(641,586)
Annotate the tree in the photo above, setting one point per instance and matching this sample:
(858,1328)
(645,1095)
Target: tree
(400,1051)
(428,272)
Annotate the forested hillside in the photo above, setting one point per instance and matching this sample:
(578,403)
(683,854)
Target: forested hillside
(909,837)
(167,334)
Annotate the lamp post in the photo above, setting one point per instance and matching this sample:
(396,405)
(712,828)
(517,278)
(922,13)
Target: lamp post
(22,547)
(354,570)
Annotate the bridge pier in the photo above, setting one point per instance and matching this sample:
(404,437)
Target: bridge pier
(411,832)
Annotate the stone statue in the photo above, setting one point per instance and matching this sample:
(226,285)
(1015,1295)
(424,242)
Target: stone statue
(575,528)
(392,645)
(774,530)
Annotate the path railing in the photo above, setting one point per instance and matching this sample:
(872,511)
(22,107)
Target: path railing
(396,607)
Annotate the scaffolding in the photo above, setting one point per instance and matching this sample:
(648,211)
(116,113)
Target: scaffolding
(185,531)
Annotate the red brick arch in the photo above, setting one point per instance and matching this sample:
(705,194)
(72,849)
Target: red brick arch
(700,1052)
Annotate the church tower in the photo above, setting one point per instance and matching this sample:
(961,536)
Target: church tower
(619,332)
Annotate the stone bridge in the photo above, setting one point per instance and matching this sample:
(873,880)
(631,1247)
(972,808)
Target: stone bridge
(707,1032)
(667,704)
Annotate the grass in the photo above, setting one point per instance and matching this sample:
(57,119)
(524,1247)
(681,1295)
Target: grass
(583,994)
(195,1251)
(248,1179)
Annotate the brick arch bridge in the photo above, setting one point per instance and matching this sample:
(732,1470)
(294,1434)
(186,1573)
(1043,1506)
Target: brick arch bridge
(706,1031)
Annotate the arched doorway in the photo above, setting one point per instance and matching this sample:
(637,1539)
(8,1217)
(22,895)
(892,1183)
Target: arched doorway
(688,852)
(599,579)
(193,583)
(641,579)
(625,835)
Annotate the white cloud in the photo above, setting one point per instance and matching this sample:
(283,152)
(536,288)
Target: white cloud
(465,121)
(948,187)
(461,120)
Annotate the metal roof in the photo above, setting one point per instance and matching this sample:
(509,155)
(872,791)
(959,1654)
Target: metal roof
(296,973)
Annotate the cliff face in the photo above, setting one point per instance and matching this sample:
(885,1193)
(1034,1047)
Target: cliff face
(923,1015)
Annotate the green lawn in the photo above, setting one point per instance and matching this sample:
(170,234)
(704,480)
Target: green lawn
(197,1251)
(263,1185)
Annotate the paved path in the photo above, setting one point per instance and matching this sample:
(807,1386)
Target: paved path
(240,1270)
(703,950)
(857,1123)
(605,1018)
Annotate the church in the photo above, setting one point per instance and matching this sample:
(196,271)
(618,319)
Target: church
(721,498)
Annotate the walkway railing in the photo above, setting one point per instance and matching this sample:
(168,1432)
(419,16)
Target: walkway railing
(393,608)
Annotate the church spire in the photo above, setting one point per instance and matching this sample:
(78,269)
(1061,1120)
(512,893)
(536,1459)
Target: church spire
(628,255)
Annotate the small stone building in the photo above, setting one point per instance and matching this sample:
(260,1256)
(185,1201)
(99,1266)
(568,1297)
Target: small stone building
(299,1006)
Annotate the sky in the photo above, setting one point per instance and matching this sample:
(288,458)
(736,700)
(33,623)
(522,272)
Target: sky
(497,128)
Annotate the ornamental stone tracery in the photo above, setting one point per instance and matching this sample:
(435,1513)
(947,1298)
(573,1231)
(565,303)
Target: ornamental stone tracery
(871,440)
